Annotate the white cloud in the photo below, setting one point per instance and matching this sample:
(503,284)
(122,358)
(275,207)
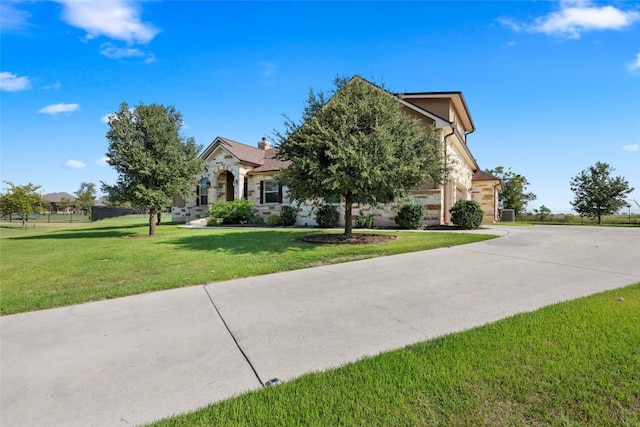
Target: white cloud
(631,147)
(114,52)
(119,52)
(105,119)
(576,17)
(54,86)
(116,19)
(13,18)
(103,161)
(635,64)
(11,83)
(75,164)
(59,108)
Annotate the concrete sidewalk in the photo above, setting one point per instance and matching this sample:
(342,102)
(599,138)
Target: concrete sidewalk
(133,360)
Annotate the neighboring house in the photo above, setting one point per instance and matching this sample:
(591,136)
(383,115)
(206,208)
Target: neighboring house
(59,202)
(235,170)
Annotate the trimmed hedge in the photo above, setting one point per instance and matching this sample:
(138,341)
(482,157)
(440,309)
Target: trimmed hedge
(410,216)
(327,216)
(467,214)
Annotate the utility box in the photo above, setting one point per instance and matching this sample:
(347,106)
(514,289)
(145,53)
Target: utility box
(508,215)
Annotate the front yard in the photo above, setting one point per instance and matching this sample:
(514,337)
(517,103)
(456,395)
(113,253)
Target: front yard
(57,264)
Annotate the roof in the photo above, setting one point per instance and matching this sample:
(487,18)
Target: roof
(481,175)
(264,160)
(456,97)
(57,197)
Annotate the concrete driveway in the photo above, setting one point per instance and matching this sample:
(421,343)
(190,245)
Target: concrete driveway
(133,360)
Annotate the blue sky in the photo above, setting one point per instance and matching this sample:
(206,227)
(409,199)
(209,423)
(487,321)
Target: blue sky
(552,86)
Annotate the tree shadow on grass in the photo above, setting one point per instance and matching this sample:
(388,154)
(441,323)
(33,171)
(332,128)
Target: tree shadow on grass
(257,242)
(93,233)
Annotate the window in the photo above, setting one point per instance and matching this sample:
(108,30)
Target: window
(271,192)
(203,192)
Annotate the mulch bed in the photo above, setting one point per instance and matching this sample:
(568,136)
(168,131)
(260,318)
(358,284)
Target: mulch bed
(341,239)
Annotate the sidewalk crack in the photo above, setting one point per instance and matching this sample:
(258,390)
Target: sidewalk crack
(224,322)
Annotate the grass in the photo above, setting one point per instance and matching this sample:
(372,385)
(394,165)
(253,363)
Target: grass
(572,364)
(53,265)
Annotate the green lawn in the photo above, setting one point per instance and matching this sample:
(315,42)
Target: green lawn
(51,265)
(571,364)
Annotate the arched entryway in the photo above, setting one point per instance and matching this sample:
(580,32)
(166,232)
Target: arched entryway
(226,187)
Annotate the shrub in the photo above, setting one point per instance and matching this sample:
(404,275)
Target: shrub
(327,216)
(274,220)
(467,214)
(364,221)
(235,212)
(288,215)
(410,216)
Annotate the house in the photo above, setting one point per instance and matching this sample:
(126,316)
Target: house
(59,202)
(236,170)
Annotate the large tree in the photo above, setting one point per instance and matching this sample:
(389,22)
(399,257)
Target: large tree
(21,199)
(514,193)
(597,193)
(154,161)
(86,196)
(358,146)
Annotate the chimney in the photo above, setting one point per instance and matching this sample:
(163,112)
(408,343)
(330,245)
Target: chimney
(264,144)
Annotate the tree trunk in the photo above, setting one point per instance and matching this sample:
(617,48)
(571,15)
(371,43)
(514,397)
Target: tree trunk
(348,220)
(152,223)
(159,218)
(599,219)
(24,222)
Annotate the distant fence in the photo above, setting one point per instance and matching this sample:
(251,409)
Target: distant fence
(104,212)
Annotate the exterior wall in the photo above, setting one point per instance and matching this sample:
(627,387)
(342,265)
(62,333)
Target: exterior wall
(383,215)
(486,193)
(265,210)
(217,164)
(459,180)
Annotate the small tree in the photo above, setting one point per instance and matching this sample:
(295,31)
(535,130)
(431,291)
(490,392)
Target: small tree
(596,193)
(21,199)
(86,197)
(543,211)
(514,186)
(357,146)
(154,161)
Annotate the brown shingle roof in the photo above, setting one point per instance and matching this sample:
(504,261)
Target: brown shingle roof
(243,152)
(481,175)
(57,197)
(264,160)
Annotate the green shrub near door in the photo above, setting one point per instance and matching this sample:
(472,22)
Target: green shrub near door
(467,214)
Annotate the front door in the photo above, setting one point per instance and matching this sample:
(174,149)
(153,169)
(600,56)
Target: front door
(230,188)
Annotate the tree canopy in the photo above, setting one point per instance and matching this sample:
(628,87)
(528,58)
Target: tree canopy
(154,161)
(514,193)
(597,193)
(358,146)
(21,199)
(86,196)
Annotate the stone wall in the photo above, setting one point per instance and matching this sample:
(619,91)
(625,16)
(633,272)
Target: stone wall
(485,193)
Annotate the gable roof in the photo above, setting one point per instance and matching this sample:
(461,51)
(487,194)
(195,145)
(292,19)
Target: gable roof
(264,160)
(456,97)
(481,175)
(57,197)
